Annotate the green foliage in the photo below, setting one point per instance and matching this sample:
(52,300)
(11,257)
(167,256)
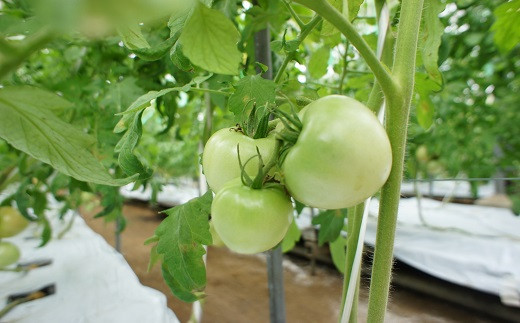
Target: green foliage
(292,236)
(331,223)
(209,40)
(338,254)
(251,91)
(180,239)
(29,125)
(507,33)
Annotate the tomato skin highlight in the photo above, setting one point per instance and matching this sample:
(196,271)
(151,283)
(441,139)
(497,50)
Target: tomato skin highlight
(251,220)
(220,157)
(11,222)
(341,157)
(9,254)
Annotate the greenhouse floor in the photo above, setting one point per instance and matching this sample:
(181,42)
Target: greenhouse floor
(237,284)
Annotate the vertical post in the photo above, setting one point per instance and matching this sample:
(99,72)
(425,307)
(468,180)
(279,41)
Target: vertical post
(274,257)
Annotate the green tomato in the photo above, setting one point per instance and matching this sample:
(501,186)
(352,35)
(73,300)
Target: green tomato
(342,155)
(11,222)
(421,154)
(251,220)
(220,157)
(9,254)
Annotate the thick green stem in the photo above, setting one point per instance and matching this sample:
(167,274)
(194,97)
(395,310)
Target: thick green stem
(332,15)
(396,124)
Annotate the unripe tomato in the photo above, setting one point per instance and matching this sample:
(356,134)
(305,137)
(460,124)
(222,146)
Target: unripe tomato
(220,157)
(342,155)
(9,254)
(11,222)
(251,220)
(422,154)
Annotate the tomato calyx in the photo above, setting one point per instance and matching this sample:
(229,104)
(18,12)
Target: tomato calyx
(289,135)
(262,179)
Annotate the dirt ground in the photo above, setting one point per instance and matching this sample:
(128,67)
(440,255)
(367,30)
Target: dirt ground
(237,284)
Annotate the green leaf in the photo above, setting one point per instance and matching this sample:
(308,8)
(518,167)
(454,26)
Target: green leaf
(249,90)
(178,58)
(177,290)
(318,62)
(328,29)
(431,34)
(209,39)
(331,222)
(425,111)
(423,103)
(133,37)
(156,52)
(292,236)
(507,31)
(338,252)
(181,236)
(28,125)
(353,8)
(154,258)
(128,161)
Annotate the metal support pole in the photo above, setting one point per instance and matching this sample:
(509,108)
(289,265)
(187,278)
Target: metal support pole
(274,257)
(275,284)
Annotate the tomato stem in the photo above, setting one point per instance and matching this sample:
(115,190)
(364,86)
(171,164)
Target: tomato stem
(338,20)
(290,56)
(396,121)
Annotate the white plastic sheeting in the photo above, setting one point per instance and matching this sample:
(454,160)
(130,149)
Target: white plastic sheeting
(170,195)
(470,245)
(460,189)
(94,283)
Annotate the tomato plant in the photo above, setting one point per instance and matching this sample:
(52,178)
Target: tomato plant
(251,220)
(342,155)
(11,222)
(220,156)
(9,254)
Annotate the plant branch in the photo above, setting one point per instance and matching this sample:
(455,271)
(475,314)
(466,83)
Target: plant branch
(332,15)
(398,109)
(294,14)
(200,89)
(290,56)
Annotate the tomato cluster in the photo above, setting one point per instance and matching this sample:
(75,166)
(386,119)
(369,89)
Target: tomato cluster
(11,223)
(342,156)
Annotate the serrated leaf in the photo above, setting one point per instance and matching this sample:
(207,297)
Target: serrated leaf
(431,34)
(177,290)
(28,126)
(331,222)
(292,236)
(338,252)
(249,90)
(181,238)
(209,39)
(132,36)
(506,29)
(318,62)
(154,258)
(128,161)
